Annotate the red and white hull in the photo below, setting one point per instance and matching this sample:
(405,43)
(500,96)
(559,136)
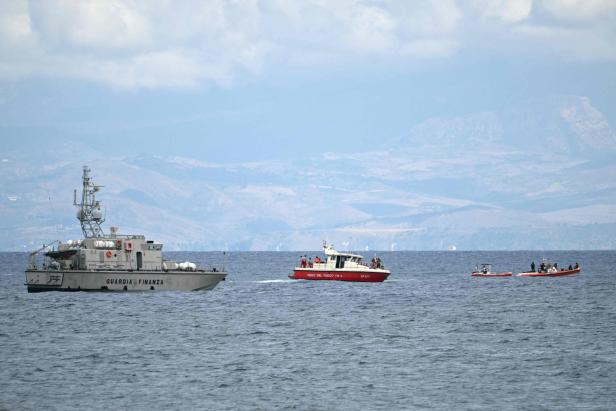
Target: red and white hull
(552,274)
(369,275)
(480,274)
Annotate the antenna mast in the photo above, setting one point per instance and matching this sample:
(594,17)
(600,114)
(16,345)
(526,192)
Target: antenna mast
(89,214)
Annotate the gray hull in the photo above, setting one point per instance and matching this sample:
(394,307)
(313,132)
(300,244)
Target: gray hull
(77,280)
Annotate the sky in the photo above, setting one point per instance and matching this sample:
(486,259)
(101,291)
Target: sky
(393,95)
(235,80)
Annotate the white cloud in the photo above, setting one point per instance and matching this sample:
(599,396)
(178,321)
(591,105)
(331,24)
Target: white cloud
(93,26)
(148,69)
(568,43)
(352,28)
(580,10)
(131,44)
(369,29)
(15,26)
(161,43)
(563,29)
(511,11)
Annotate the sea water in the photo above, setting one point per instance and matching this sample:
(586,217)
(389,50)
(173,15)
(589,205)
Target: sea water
(429,337)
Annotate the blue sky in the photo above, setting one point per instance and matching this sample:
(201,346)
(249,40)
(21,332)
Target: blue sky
(267,79)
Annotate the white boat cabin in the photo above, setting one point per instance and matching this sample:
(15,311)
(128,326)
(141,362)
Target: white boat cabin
(337,260)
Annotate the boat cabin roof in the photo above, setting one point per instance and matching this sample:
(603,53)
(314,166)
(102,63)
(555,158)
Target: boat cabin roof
(328,249)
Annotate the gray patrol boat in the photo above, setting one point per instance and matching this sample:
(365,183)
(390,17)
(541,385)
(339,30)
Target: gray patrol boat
(113,262)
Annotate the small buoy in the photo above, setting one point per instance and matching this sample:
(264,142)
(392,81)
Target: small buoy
(108,254)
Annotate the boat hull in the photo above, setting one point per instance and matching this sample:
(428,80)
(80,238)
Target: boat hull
(554,274)
(77,280)
(491,275)
(372,276)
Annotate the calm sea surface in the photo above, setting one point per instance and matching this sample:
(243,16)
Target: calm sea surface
(430,337)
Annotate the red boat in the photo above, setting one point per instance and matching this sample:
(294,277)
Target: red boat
(340,267)
(547,269)
(554,273)
(486,271)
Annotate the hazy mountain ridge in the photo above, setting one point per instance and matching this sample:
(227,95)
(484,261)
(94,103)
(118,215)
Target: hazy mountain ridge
(469,181)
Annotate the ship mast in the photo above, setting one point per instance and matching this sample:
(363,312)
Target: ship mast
(89,214)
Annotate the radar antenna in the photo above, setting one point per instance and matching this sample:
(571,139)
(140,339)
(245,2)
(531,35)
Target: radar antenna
(89,214)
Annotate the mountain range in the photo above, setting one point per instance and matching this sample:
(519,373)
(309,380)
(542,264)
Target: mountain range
(534,176)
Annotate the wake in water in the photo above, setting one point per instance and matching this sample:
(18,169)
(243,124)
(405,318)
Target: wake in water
(275,281)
